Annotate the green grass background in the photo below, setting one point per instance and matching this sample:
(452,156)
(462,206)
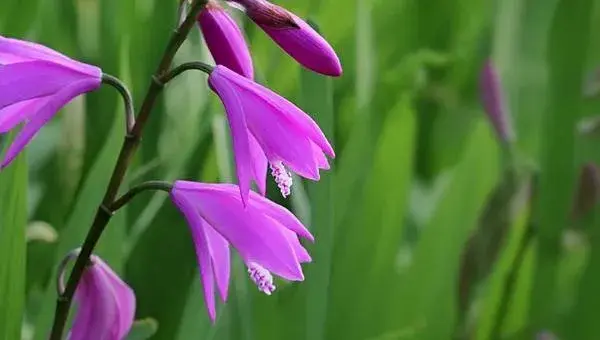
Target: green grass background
(419,224)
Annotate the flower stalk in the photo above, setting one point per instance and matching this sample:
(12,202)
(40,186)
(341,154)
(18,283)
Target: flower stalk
(127,99)
(130,144)
(150,185)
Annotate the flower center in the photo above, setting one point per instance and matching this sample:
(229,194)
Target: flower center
(261,277)
(282,177)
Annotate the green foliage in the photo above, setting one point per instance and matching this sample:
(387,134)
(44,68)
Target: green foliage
(13,220)
(413,190)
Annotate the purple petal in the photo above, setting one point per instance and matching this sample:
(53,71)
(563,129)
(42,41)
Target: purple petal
(284,132)
(282,106)
(218,248)
(124,298)
(225,40)
(320,158)
(250,231)
(106,305)
(84,314)
(234,110)
(196,224)
(260,162)
(301,252)
(266,206)
(13,50)
(279,138)
(28,80)
(43,115)
(302,43)
(14,114)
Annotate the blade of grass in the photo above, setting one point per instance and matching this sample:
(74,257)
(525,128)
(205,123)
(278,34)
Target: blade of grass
(567,50)
(431,284)
(317,99)
(13,220)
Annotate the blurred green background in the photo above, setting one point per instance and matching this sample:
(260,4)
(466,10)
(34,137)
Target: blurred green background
(426,228)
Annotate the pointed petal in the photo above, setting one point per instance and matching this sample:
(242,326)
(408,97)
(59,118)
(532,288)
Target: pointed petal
(43,115)
(99,319)
(84,314)
(13,115)
(295,37)
(28,80)
(124,299)
(14,50)
(320,158)
(106,305)
(263,204)
(283,107)
(239,131)
(281,140)
(260,164)
(196,225)
(301,253)
(218,248)
(252,233)
(282,215)
(308,47)
(225,40)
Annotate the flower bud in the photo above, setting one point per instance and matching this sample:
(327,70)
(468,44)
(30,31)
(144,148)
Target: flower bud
(225,40)
(294,36)
(494,102)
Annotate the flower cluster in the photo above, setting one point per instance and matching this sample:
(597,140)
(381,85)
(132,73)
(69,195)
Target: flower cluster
(269,133)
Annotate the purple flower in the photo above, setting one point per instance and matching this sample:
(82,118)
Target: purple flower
(294,36)
(106,305)
(266,128)
(225,39)
(264,234)
(494,102)
(35,83)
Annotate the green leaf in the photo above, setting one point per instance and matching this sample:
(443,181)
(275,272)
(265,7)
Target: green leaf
(430,284)
(567,50)
(143,329)
(369,238)
(317,100)
(13,220)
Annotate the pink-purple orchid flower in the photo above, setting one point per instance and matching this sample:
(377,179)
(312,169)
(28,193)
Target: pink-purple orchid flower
(225,39)
(294,36)
(267,128)
(35,83)
(106,305)
(264,234)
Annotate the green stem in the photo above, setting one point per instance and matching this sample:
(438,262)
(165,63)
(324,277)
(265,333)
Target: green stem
(193,65)
(103,215)
(151,185)
(127,99)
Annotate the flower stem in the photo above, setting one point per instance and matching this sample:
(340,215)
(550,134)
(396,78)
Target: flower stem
(150,185)
(127,99)
(103,214)
(193,65)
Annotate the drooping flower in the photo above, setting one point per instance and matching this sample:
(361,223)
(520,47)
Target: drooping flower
(494,102)
(106,305)
(294,36)
(267,128)
(35,83)
(225,39)
(264,234)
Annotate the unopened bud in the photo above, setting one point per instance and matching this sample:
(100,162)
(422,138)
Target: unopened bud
(494,102)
